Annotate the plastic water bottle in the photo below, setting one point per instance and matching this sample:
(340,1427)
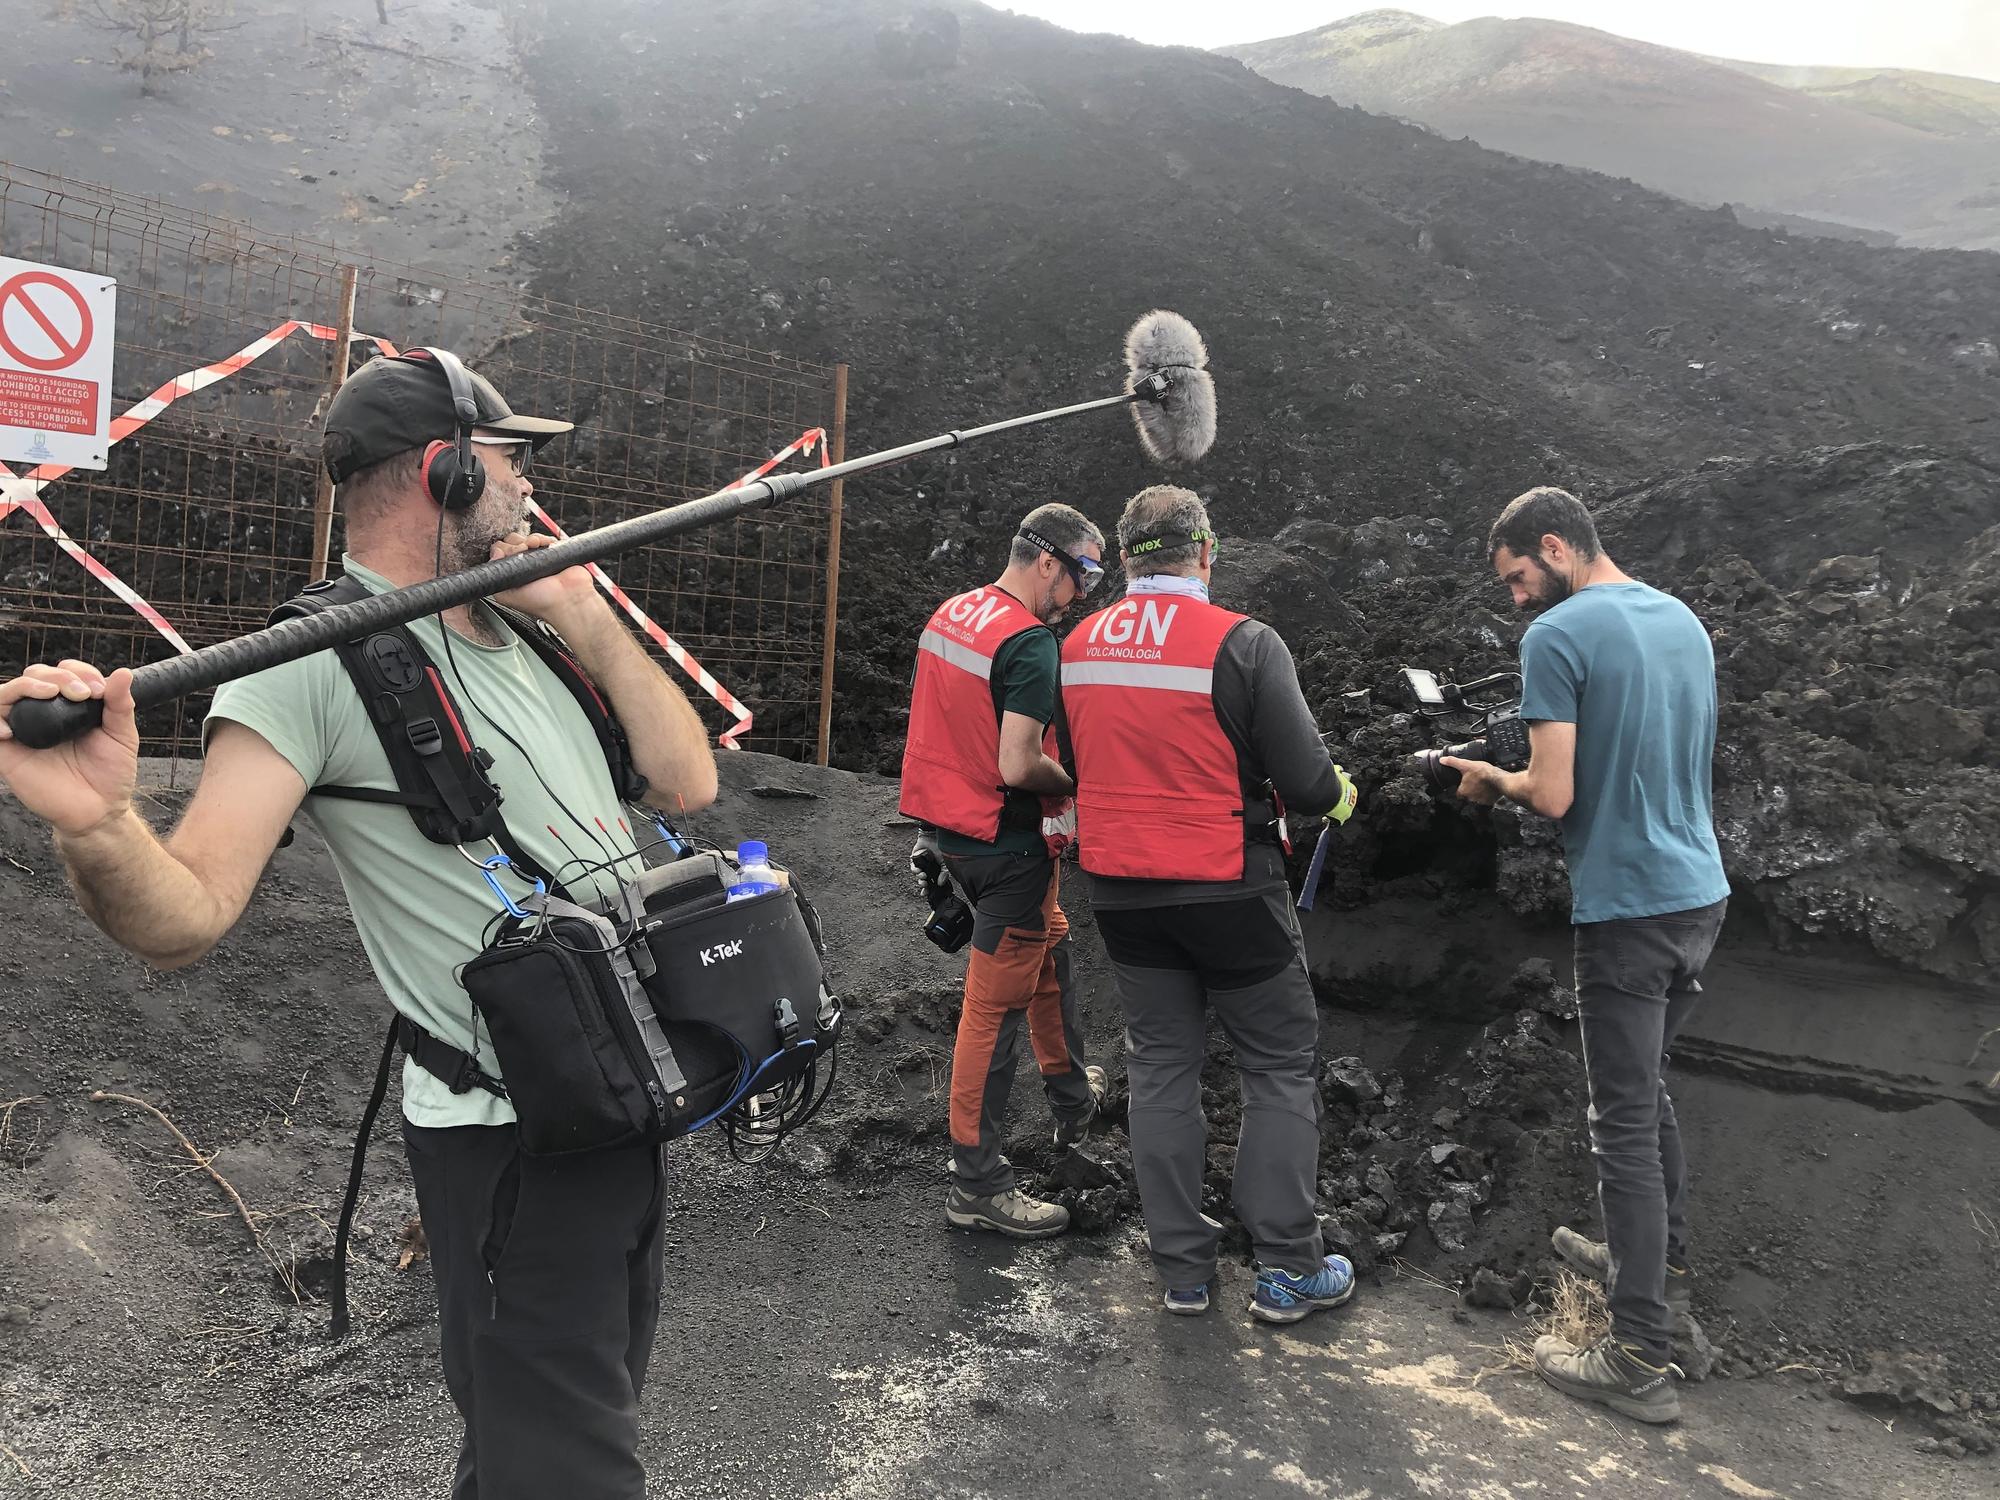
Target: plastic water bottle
(754,875)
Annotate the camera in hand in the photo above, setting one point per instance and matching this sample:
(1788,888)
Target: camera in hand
(950,924)
(1488,709)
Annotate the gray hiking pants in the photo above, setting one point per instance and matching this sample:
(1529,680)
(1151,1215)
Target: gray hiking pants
(1245,961)
(1637,981)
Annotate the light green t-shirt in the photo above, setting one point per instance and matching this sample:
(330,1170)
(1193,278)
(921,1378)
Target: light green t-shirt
(421,909)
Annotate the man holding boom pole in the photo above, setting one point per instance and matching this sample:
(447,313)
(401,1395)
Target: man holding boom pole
(548,1269)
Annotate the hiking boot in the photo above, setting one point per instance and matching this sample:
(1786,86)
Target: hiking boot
(1190,1302)
(1011,1213)
(1592,1258)
(1282,1297)
(1611,1374)
(1072,1133)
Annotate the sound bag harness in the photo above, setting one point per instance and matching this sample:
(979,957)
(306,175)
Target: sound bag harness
(631,1020)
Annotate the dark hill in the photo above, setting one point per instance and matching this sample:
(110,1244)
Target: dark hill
(970,206)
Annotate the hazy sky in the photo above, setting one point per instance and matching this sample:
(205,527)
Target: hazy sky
(1949,36)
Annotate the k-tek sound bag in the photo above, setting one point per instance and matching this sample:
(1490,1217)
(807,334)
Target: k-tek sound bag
(679,1009)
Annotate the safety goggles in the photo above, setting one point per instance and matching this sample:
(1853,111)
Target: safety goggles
(1085,572)
(520,455)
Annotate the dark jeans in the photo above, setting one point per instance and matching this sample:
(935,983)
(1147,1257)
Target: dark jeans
(1245,962)
(1637,980)
(548,1274)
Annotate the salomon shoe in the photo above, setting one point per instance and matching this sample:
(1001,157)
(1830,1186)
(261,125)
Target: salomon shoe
(1611,1374)
(1282,1297)
(1592,1258)
(1188,1302)
(1072,1133)
(1011,1213)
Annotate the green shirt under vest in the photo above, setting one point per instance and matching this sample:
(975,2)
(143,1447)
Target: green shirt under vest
(1028,668)
(421,909)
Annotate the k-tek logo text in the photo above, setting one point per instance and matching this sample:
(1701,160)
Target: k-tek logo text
(731,949)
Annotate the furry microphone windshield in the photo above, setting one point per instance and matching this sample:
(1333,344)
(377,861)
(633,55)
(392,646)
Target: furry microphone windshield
(1177,426)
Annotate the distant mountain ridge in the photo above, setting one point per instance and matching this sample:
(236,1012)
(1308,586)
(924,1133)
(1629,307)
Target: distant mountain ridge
(1942,103)
(1913,154)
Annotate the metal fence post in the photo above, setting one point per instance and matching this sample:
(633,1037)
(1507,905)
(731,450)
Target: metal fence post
(337,372)
(838,452)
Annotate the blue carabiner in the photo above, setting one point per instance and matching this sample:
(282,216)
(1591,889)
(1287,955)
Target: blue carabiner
(507,902)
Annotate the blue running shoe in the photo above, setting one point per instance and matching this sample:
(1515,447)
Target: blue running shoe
(1188,1303)
(1282,1297)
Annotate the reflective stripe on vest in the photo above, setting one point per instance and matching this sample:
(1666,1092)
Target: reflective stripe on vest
(1159,795)
(951,758)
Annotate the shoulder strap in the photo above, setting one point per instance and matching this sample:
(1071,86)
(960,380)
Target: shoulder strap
(440,774)
(456,1069)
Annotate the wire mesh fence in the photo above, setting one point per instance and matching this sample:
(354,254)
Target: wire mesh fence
(207,511)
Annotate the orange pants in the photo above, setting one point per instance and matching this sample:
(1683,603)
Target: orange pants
(1018,967)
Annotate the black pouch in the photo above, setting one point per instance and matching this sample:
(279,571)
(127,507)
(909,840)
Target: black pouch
(746,977)
(607,1044)
(586,1063)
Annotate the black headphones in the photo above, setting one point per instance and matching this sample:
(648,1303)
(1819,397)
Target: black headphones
(453,475)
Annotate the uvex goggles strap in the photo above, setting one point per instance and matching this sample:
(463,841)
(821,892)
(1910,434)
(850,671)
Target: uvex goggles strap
(1085,572)
(1142,546)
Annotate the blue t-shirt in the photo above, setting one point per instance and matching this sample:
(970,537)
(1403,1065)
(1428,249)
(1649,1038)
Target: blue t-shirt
(1632,668)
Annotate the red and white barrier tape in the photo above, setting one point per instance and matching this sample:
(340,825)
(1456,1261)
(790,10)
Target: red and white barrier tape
(805,443)
(39,514)
(13,490)
(22,492)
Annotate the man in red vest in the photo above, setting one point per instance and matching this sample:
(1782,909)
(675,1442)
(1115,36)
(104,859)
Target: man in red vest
(1190,739)
(980,770)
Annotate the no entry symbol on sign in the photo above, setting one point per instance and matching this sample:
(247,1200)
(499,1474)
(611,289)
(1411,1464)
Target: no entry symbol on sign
(44,322)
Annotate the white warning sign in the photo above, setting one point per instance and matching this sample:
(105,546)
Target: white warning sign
(57,328)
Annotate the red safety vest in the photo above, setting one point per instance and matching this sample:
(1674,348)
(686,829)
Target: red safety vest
(951,758)
(1158,793)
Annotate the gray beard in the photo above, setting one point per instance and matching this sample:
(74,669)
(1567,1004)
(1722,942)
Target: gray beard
(1048,614)
(471,542)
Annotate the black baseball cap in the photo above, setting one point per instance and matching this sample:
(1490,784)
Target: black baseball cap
(390,406)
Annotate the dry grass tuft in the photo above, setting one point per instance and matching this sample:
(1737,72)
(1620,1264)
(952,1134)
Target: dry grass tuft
(17,1145)
(1576,1313)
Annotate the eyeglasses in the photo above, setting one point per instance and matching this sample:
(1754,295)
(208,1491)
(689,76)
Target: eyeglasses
(1085,572)
(520,455)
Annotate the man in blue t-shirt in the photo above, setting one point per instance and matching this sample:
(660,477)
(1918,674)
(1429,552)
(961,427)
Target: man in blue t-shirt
(1618,688)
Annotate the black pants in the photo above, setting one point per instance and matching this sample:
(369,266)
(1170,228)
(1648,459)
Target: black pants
(548,1275)
(1637,981)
